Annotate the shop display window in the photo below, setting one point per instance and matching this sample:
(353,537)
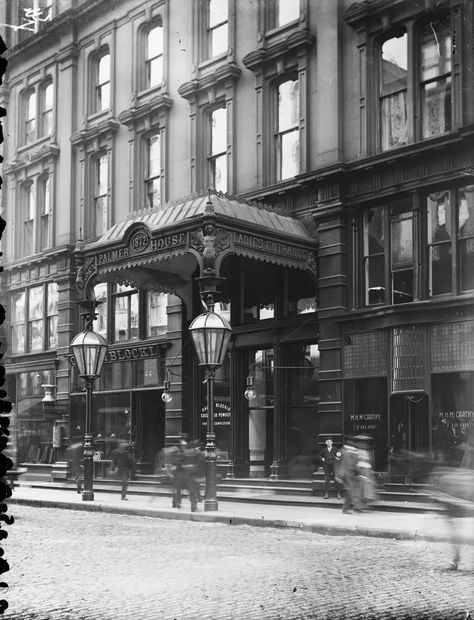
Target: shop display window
(453,401)
(157,320)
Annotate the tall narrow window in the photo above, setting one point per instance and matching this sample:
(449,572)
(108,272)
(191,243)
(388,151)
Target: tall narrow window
(153,179)
(287,130)
(125,313)
(101,199)
(29,206)
(218,150)
(52,315)
(435,83)
(466,237)
(393,93)
(17,309)
(47,110)
(154,57)
(45,213)
(402,257)
(30,117)
(35,319)
(218,27)
(374,256)
(439,243)
(157,323)
(102,88)
(287,11)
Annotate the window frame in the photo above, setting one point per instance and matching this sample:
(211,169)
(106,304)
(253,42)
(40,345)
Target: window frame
(147,61)
(47,110)
(96,85)
(97,196)
(279,134)
(149,179)
(30,135)
(126,295)
(45,211)
(213,157)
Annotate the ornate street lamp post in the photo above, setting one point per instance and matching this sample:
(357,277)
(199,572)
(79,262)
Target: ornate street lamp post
(210,333)
(89,349)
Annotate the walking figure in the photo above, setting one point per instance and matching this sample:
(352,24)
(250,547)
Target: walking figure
(123,463)
(75,458)
(181,461)
(328,457)
(347,472)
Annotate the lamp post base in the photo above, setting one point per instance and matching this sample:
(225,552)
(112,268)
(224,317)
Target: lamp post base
(210,504)
(87,496)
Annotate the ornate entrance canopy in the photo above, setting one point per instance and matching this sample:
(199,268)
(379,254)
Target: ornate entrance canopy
(160,250)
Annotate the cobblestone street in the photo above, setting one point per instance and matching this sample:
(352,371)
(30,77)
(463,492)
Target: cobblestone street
(75,565)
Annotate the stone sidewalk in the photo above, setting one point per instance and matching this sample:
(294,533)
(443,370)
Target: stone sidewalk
(331,521)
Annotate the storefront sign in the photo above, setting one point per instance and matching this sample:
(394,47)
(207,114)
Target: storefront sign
(271,247)
(55,409)
(125,354)
(221,414)
(138,244)
(365,423)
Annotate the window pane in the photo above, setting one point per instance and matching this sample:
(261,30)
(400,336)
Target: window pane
(30,202)
(394,120)
(218,12)
(157,322)
(36,334)
(35,303)
(104,97)
(218,131)
(52,332)
(48,97)
(402,241)
(466,234)
(155,71)
(435,50)
(52,298)
(31,107)
(121,318)
(28,239)
(219,40)
(374,242)
(376,279)
(288,11)
(288,105)
(439,217)
(218,173)
(47,123)
(18,339)
(30,130)
(102,173)
(100,324)
(46,206)
(18,307)
(436,107)
(154,43)
(134,315)
(394,64)
(101,220)
(104,69)
(290,154)
(154,193)
(154,165)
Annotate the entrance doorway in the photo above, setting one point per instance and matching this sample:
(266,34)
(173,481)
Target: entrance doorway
(149,428)
(261,413)
(409,423)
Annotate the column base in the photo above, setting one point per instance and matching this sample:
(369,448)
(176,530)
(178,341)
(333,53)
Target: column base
(279,470)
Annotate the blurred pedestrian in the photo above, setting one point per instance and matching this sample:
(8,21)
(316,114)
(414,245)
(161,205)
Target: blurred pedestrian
(347,472)
(181,460)
(443,441)
(123,463)
(75,455)
(328,457)
(365,473)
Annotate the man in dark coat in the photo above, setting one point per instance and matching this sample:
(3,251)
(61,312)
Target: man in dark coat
(74,455)
(123,463)
(328,457)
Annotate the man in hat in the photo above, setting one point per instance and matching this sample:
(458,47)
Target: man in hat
(328,457)
(123,462)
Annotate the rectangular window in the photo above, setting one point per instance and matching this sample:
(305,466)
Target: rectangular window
(29,219)
(47,110)
(102,88)
(30,117)
(154,57)
(35,319)
(101,202)
(52,315)
(393,92)
(287,11)
(126,315)
(435,84)
(374,256)
(402,257)
(17,309)
(465,225)
(287,130)
(157,319)
(218,150)
(440,243)
(45,214)
(218,27)
(153,179)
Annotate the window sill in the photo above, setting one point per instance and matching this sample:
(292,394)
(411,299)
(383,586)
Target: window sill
(282,30)
(208,63)
(36,143)
(94,116)
(148,92)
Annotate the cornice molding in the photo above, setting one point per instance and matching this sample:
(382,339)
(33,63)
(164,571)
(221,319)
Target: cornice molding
(28,158)
(219,77)
(160,104)
(361,14)
(300,40)
(109,126)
